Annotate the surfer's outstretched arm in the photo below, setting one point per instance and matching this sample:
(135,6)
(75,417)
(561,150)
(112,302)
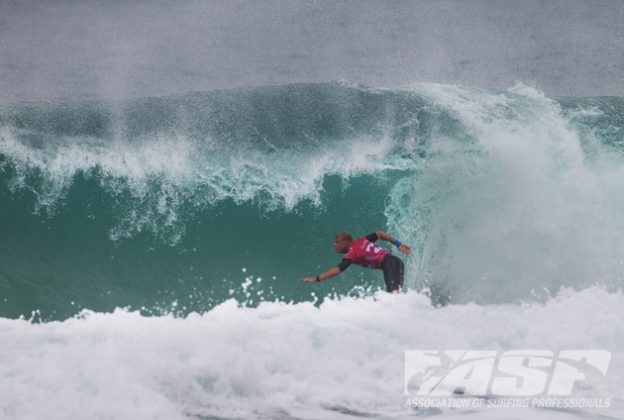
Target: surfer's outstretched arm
(332,272)
(326,275)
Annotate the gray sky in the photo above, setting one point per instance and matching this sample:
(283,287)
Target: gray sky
(128,48)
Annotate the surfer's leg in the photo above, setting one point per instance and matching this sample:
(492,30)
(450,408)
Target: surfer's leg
(393,273)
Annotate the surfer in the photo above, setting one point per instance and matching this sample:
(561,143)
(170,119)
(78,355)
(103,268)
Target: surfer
(363,251)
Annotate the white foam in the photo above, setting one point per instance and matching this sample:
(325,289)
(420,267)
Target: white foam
(515,209)
(283,359)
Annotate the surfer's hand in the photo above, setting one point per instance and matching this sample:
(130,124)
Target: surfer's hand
(308,280)
(405,249)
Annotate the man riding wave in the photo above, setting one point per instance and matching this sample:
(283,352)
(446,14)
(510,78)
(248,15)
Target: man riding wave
(363,251)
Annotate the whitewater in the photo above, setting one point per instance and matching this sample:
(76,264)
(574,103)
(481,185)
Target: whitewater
(151,248)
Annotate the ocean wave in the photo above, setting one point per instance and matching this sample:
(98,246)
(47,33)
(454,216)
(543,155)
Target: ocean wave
(504,195)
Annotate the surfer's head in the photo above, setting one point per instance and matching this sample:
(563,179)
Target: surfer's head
(342,242)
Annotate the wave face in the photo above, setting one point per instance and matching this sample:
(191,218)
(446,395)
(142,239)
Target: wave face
(179,203)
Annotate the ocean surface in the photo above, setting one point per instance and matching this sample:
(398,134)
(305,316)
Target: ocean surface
(151,248)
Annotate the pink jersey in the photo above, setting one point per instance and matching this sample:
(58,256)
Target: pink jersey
(366,253)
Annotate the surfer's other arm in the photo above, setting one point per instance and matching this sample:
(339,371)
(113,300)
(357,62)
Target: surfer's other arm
(389,238)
